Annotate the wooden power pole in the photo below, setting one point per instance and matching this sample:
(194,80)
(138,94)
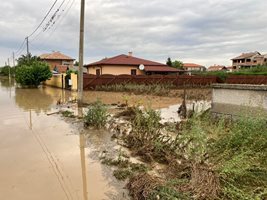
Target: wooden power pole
(81,49)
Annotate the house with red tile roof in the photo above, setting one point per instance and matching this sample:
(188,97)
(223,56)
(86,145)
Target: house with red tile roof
(58,61)
(128,64)
(193,67)
(217,68)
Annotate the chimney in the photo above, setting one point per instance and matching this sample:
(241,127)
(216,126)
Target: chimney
(130,53)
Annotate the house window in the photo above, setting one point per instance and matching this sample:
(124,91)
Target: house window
(248,60)
(265,59)
(97,72)
(65,63)
(133,71)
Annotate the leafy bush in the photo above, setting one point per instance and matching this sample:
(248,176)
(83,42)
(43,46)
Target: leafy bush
(96,115)
(34,74)
(259,70)
(4,71)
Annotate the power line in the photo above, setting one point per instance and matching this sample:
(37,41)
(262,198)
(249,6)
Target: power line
(44,18)
(21,46)
(60,18)
(53,20)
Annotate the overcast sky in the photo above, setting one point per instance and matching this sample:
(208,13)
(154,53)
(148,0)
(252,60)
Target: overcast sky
(206,32)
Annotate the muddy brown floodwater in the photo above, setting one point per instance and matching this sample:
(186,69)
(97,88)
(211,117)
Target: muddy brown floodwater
(44,157)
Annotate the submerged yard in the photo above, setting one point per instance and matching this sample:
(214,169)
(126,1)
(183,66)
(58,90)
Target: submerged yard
(126,150)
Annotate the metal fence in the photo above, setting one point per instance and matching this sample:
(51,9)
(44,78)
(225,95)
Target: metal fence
(92,81)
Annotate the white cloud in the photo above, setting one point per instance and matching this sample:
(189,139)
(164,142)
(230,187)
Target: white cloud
(202,31)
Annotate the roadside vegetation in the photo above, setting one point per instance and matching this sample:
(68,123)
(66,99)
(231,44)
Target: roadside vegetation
(154,89)
(29,72)
(259,70)
(96,115)
(201,158)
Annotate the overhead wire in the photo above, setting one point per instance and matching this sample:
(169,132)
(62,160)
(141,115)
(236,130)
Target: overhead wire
(43,18)
(21,46)
(53,19)
(60,18)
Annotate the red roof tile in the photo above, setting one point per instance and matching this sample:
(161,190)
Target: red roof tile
(125,60)
(246,55)
(192,65)
(61,68)
(55,56)
(161,69)
(217,68)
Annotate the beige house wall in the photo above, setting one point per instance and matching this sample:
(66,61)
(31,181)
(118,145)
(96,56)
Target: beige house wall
(56,81)
(74,79)
(114,69)
(53,63)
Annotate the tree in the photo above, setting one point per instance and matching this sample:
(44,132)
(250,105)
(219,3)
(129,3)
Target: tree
(27,60)
(76,63)
(169,62)
(32,75)
(178,64)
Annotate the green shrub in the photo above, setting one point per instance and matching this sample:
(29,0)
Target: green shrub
(34,74)
(96,115)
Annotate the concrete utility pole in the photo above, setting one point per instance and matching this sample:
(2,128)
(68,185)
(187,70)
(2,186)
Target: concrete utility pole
(81,48)
(13,57)
(28,51)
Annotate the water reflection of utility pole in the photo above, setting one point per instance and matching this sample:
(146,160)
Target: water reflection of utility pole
(30,119)
(83,165)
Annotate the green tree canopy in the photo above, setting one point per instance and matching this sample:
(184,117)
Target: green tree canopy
(178,64)
(33,74)
(169,62)
(27,60)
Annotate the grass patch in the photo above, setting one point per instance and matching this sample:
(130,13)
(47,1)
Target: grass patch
(154,89)
(67,113)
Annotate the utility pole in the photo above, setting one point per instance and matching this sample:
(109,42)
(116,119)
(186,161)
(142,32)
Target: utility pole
(81,49)
(9,74)
(28,52)
(13,57)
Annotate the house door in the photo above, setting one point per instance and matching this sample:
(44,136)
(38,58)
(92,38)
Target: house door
(98,72)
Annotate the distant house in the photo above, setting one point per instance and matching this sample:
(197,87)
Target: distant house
(57,61)
(217,68)
(193,67)
(248,60)
(128,64)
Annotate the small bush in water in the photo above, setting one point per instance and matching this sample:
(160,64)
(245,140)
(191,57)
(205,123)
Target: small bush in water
(96,115)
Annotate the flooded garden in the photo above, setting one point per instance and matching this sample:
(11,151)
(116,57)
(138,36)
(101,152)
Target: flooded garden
(126,146)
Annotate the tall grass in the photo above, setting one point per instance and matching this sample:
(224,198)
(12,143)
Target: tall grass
(96,115)
(155,89)
(218,159)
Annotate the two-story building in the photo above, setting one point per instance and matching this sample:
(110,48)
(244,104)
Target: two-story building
(57,61)
(249,60)
(192,67)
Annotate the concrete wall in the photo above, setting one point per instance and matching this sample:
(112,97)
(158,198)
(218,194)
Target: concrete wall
(235,99)
(114,70)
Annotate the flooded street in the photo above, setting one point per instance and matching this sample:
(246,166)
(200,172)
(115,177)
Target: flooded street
(44,157)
